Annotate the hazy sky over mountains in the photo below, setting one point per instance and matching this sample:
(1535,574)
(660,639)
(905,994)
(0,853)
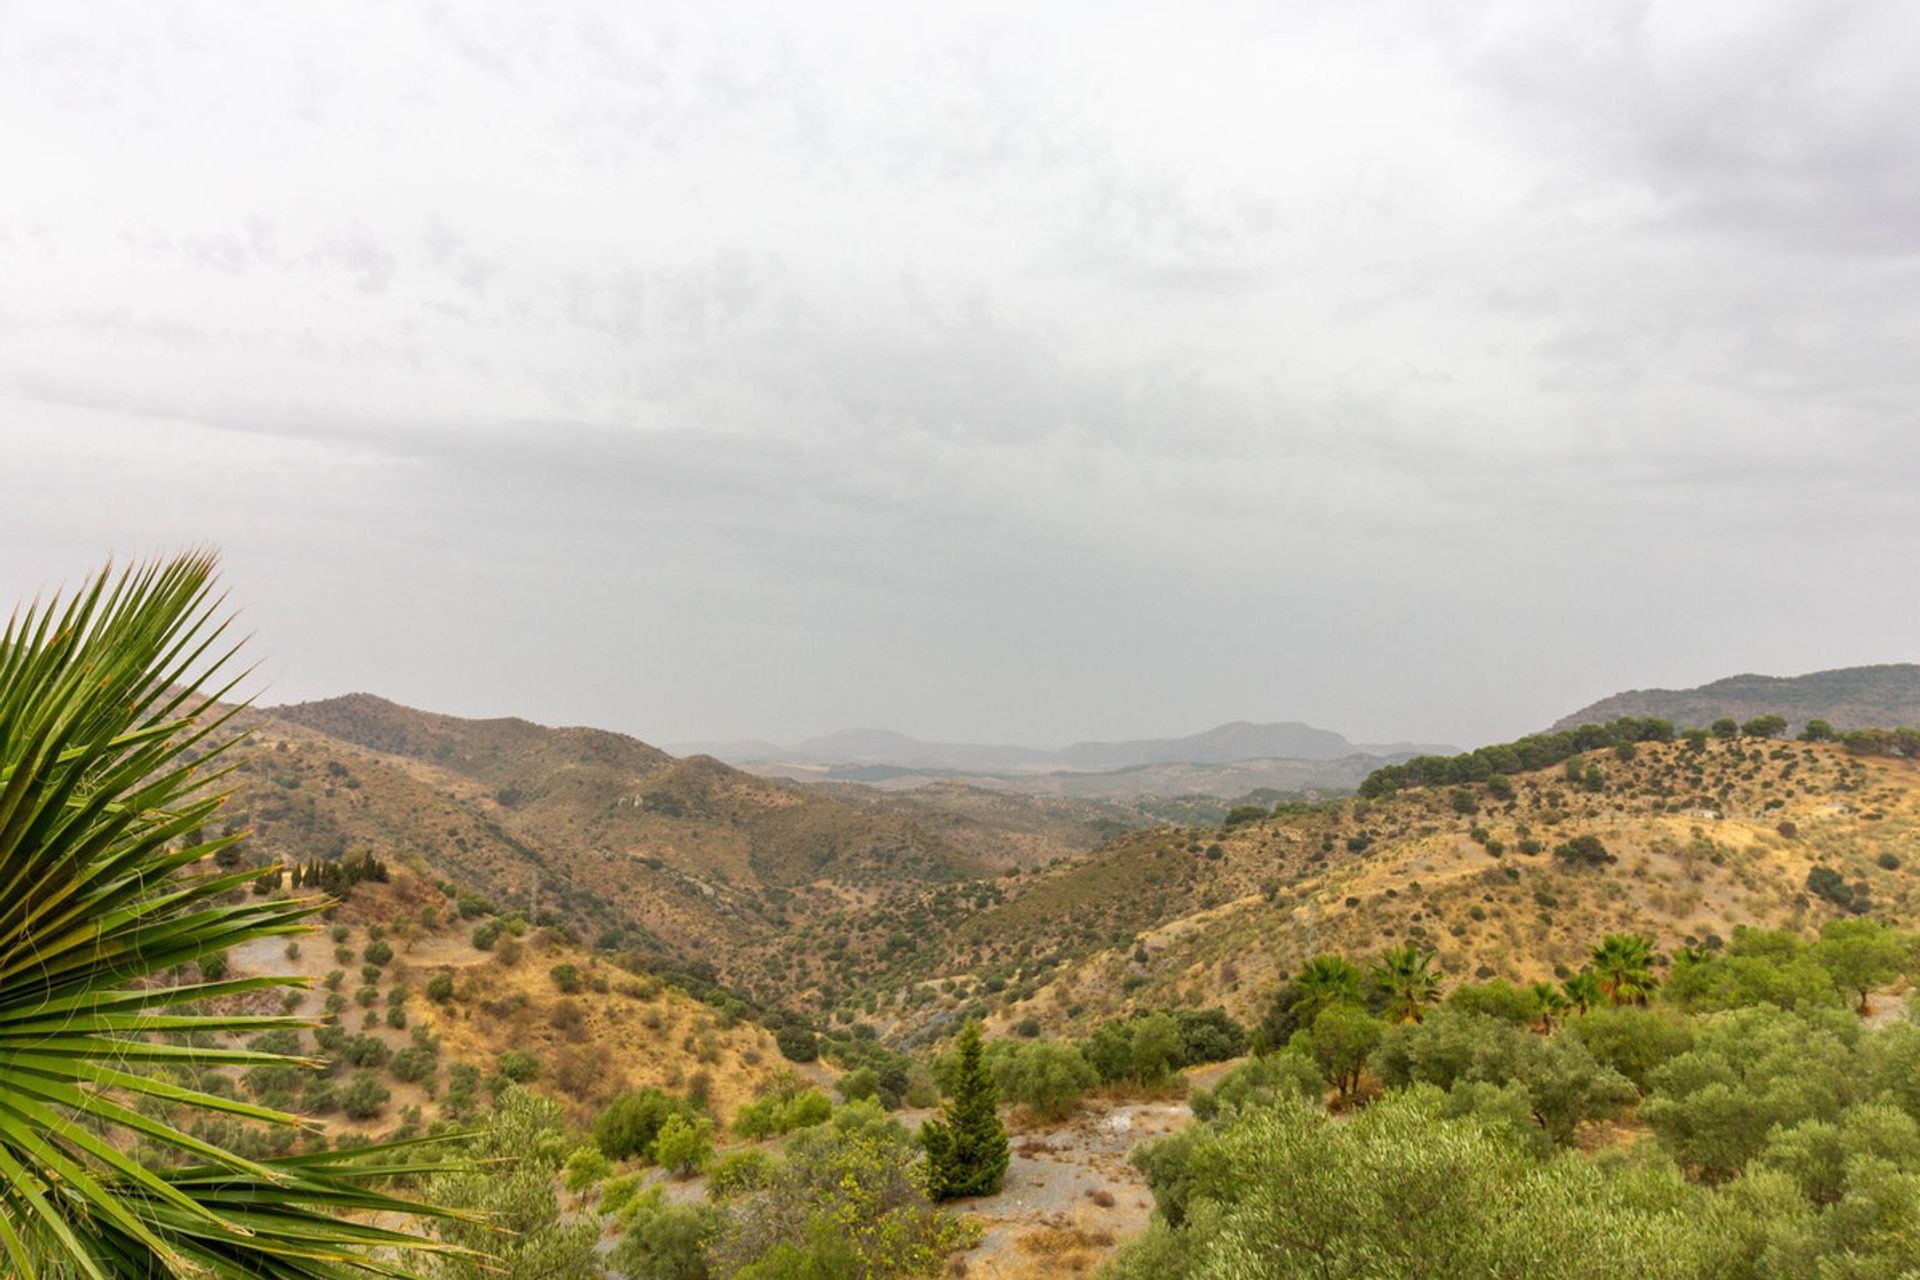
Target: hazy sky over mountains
(996,372)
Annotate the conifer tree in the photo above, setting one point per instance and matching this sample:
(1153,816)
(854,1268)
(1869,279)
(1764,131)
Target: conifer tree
(967,1148)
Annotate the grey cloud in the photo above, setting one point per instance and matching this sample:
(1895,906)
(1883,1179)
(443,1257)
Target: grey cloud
(1086,372)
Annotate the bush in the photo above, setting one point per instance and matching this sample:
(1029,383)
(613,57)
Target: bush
(378,952)
(364,1051)
(746,1169)
(684,1144)
(1258,1083)
(519,1066)
(412,1065)
(664,1241)
(586,1167)
(782,1110)
(1045,1076)
(861,1084)
(631,1122)
(363,1096)
(797,1043)
(440,987)
(1584,851)
(566,977)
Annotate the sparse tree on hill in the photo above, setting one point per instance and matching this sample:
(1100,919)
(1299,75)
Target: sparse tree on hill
(967,1148)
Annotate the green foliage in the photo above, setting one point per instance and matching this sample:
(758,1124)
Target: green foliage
(1563,1085)
(440,987)
(1500,999)
(520,1065)
(664,1241)
(1538,751)
(1047,1077)
(1400,1191)
(1259,1081)
(1340,1040)
(363,1096)
(1760,966)
(629,1124)
(841,1203)
(516,1227)
(797,1043)
(967,1147)
(737,1171)
(1404,977)
(684,1144)
(586,1167)
(789,1105)
(378,953)
(1860,955)
(566,977)
(1623,966)
(1583,851)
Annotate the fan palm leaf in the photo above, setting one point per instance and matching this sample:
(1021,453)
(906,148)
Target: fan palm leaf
(111,761)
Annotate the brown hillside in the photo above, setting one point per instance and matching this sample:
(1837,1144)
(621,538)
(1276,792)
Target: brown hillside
(1701,841)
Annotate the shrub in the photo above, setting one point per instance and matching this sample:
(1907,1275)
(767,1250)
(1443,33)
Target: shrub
(566,977)
(364,1051)
(1045,1076)
(684,1144)
(1259,1082)
(746,1169)
(585,1167)
(630,1123)
(519,1065)
(363,1096)
(797,1043)
(440,987)
(1583,851)
(782,1110)
(378,952)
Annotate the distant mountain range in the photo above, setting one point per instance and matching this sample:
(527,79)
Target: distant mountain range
(1233,743)
(1876,697)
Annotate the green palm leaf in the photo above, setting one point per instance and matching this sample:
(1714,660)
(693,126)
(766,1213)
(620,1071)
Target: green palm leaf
(110,757)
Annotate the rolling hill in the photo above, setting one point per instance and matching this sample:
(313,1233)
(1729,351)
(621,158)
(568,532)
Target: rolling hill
(700,864)
(1886,696)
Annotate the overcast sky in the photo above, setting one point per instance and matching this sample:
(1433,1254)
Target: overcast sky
(1014,372)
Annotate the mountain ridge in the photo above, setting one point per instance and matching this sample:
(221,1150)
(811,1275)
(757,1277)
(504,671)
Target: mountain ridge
(1234,742)
(1882,695)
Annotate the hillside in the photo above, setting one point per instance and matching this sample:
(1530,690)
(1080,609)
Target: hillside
(612,1031)
(1700,841)
(703,866)
(1885,696)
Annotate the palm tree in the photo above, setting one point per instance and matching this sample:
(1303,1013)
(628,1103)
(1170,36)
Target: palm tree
(1623,965)
(108,895)
(1327,980)
(1405,975)
(1583,991)
(1553,1004)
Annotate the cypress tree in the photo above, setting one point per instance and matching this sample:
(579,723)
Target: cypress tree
(967,1148)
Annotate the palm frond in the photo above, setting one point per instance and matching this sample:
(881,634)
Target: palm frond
(112,733)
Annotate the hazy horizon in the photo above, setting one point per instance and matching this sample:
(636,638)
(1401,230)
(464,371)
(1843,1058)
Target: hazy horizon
(1418,372)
